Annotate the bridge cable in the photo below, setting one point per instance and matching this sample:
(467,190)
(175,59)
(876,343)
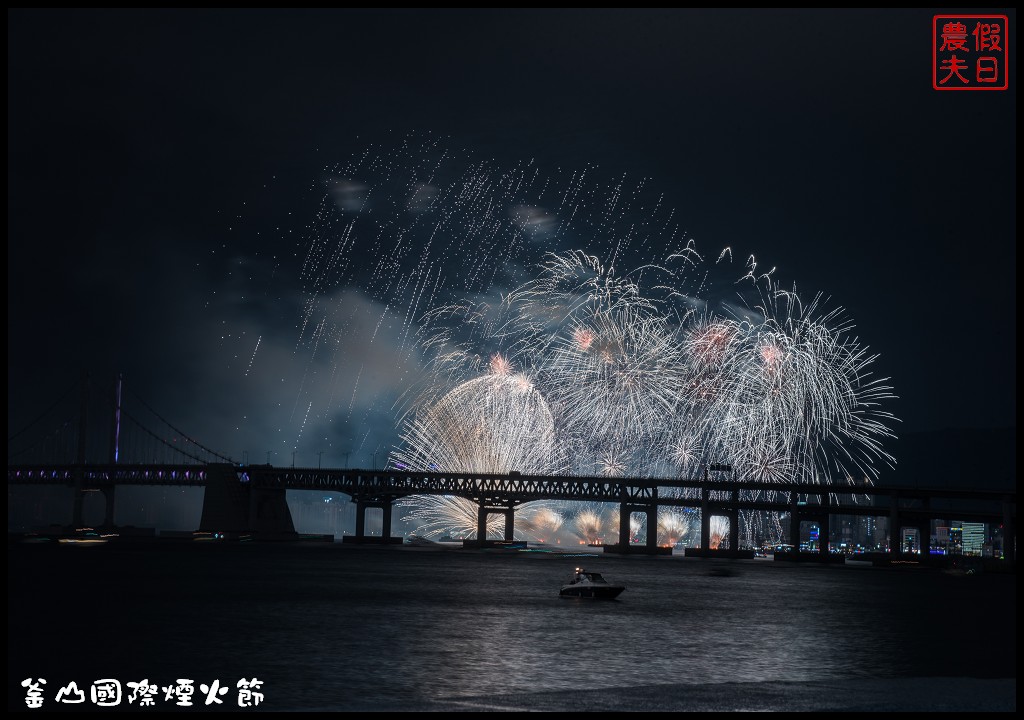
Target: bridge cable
(172,427)
(45,412)
(161,440)
(52,434)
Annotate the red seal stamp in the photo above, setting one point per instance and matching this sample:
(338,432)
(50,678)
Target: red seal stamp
(969,52)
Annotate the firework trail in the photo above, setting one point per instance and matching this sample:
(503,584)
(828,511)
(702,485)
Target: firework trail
(437,515)
(540,522)
(779,390)
(673,527)
(615,381)
(557,322)
(589,526)
(719,532)
(637,527)
(497,423)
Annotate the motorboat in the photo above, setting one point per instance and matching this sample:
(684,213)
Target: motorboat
(585,584)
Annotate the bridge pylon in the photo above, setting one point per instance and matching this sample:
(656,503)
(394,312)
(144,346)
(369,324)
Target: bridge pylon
(232,504)
(386,505)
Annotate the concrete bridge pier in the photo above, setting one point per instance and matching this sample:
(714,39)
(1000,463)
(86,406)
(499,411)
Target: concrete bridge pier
(924,537)
(78,501)
(652,526)
(626,510)
(624,523)
(387,508)
(231,504)
(705,532)
(734,525)
(486,509)
(729,509)
(895,526)
(705,521)
(794,521)
(924,530)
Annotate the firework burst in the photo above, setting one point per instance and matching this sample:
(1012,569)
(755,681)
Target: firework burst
(436,515)
(493,424)
(538,331)
(589,526)
(540,522)
(779,390)
(673,527)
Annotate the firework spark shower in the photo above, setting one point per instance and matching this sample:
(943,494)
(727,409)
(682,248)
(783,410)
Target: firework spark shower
(536,329)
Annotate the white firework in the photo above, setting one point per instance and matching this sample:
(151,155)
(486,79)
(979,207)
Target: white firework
(493,424)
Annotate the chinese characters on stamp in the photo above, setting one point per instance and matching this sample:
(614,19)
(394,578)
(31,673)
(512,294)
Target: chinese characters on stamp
(969,52)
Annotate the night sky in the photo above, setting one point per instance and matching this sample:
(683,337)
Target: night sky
(164,169)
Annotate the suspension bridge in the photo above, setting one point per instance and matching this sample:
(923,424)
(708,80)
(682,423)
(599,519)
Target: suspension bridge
(144,448)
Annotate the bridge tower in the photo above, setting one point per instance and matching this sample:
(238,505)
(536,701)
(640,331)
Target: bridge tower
(80,486)
(78,492)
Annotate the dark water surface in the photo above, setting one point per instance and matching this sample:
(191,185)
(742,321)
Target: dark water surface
(332,627)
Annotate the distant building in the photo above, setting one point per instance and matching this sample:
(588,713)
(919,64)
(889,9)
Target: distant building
(997,542)
(881,534)
(973,538)
(956,541)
